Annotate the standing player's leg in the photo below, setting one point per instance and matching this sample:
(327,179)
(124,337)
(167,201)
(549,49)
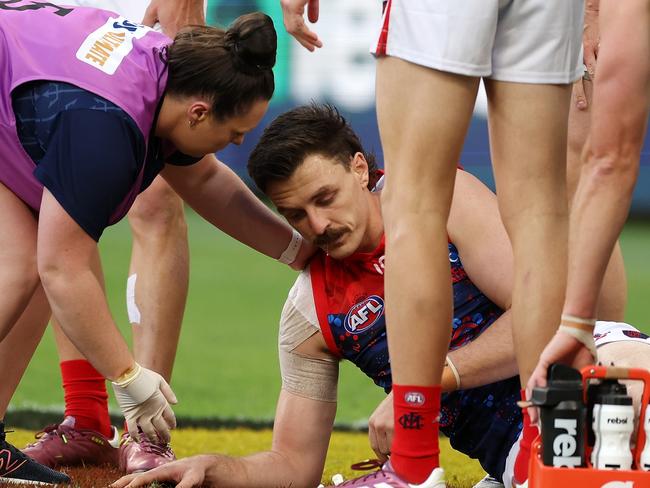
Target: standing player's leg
(611,155)
(531,190)
(423,116)
(528,105)
(158,276)
(613,294)
(156,295)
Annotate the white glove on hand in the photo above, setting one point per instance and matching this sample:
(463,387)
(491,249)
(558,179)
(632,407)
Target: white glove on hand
(144,398)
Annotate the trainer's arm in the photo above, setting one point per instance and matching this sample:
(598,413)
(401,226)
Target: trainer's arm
(301,434)
(224,200)
(68,265)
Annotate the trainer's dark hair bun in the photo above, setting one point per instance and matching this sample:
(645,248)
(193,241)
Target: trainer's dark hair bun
(253,42)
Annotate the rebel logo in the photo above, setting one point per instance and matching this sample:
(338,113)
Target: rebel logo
(565,443)
(617,420)
(364,314)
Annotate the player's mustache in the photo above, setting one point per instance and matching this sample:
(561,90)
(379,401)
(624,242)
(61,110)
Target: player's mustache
(329,236)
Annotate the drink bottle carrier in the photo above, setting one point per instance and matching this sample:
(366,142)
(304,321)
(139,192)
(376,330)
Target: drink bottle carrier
(542,476)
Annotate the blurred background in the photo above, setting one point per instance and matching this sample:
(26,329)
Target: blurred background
(226,369)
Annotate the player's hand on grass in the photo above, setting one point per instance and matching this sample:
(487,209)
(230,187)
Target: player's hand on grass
(380,428)
(185,473)
(563,348)
(294,22)
(174,14)
(145,399)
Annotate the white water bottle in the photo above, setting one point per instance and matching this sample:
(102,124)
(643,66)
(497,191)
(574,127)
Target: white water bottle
(613,424)
(645,455)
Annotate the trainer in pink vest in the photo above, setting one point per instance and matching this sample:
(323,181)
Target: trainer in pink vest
(96,50)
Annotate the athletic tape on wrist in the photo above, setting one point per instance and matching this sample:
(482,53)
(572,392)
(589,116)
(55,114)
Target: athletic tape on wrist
(578,320)
(290,253)
(587,338)
(454,371)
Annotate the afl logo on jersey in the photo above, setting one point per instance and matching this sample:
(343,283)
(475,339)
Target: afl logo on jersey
(364,314)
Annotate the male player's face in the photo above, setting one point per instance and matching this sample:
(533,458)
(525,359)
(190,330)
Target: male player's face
(326,202)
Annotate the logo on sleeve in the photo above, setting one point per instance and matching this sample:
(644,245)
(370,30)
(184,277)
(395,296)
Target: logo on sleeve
(364,314)
(106,47)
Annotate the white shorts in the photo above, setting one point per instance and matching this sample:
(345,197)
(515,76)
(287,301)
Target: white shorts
(525,41)
(604,333)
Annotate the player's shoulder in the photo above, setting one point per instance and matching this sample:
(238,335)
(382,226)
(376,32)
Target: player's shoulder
(302,286)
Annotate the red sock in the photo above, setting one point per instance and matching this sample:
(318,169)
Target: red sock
(414,453)
(85,396)
(528,435)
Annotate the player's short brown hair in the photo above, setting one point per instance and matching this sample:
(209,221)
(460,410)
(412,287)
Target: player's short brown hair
(301,132)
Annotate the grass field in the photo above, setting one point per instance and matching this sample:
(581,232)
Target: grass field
(345,448)
(227,363)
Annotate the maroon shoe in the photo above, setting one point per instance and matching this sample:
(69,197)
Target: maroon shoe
(137,457)
(63,445)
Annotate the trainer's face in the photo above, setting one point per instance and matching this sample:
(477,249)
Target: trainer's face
(327,203)
(200,133)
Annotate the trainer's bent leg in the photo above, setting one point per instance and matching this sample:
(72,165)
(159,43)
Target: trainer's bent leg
(160,262)
(528,136)
(423,116)
(17,349)
(611,155)
(19,276)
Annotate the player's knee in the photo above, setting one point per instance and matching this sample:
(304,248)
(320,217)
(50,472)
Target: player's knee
(158,210)
(616,164)
(23,274)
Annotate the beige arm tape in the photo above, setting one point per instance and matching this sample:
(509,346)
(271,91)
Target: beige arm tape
(315,378)
(309,377)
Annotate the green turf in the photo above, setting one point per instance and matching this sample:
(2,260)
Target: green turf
(345,448)
(227,361)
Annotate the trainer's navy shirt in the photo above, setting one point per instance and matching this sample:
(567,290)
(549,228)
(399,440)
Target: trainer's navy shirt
(88,151)
(482,422)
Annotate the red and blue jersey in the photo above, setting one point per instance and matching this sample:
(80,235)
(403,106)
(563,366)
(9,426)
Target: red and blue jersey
(349,296)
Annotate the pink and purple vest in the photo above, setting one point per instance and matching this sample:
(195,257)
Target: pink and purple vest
(96,50)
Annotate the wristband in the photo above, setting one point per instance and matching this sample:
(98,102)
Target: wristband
(126,378)
(583,336)
(290,253)
(454,371)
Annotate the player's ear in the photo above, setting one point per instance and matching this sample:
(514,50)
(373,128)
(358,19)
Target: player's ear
(360,167)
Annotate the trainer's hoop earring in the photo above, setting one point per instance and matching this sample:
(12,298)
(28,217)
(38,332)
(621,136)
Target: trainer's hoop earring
(192,123)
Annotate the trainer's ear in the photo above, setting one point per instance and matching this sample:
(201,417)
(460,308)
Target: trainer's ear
(360,167)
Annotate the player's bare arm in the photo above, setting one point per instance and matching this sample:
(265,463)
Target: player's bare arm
(301,434)
(174,14)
